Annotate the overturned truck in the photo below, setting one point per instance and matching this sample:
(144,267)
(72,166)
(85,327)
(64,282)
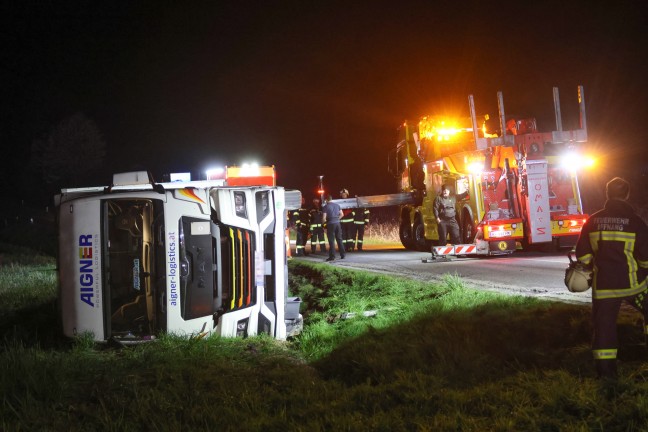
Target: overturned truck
(139,258)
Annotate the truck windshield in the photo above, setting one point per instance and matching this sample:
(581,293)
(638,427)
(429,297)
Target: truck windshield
(134,267)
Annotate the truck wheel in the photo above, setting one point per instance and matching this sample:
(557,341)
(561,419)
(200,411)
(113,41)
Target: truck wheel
(419,236)
(405,234)
(467,229)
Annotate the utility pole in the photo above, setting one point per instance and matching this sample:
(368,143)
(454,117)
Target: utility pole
(320,189)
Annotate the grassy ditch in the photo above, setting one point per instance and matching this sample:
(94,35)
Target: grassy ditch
(427,357)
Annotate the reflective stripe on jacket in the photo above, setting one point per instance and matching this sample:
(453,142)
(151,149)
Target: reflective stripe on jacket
(361,216)
(348,216)
(614,241)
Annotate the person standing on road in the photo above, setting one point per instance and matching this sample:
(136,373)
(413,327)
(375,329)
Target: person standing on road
(317,227)
(331,218)
(301,222)
(360,221)
(347,223)
(614,243)
(445,213)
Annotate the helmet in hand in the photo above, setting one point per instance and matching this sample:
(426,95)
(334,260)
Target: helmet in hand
(578,278)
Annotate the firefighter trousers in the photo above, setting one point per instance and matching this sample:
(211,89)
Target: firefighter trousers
(317,238)
(358,235)
(347,234)
(605,344)
(300,241)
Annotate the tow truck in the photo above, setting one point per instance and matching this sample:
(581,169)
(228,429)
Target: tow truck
(522,184)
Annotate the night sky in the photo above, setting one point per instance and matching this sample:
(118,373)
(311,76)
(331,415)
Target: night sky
(313,87)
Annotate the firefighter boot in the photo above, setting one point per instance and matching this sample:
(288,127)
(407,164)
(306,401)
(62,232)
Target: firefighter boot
(606,369)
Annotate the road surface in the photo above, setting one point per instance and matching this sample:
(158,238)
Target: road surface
(538,274)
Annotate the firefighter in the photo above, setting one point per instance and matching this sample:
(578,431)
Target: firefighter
(614,243)
(445,213)
(360,221)
(317,227)
(301,223)
(346,222)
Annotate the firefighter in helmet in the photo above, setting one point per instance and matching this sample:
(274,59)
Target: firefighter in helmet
(301,222)
(346,222)
(360,221)
(614,243)
(316,227)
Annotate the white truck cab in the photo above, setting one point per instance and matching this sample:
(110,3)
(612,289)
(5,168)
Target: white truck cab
(138,258)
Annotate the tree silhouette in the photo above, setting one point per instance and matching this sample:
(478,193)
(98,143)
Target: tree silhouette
(72,151)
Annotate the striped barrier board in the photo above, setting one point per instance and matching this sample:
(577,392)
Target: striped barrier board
(448,253)
(444,250)
(465,249)
(455,250)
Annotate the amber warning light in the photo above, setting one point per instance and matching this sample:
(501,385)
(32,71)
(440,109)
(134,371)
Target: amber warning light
(250,175)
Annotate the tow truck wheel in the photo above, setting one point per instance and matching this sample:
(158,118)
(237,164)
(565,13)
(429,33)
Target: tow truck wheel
(405,234)
(467,229)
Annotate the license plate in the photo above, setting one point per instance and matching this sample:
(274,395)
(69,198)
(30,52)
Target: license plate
(500,233)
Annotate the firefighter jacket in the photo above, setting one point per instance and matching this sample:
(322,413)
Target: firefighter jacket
(315,215)
(614,242)
(300,219)
(361,217)
(347,216)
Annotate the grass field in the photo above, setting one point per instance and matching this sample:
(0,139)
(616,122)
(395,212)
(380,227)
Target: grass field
(426,358)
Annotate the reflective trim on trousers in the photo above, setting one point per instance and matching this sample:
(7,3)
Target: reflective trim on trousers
(604,354)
